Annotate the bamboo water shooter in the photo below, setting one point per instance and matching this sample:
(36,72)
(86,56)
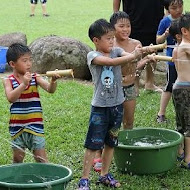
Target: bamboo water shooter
(155,47)
(161,58)
(62,73)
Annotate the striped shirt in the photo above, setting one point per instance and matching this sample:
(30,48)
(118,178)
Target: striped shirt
(26,111)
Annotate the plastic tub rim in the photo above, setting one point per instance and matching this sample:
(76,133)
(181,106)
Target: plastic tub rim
(167,145)
(32,185)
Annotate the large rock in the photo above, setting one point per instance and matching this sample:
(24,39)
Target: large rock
(54,52)
(16,37)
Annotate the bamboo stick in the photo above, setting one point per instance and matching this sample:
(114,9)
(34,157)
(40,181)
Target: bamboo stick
(161,57)
(155,47)
(62,73)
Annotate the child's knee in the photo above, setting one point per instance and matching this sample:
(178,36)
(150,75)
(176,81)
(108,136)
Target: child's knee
(40,156)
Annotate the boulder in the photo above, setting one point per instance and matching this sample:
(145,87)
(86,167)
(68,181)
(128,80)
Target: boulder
(54,52)
(16,37)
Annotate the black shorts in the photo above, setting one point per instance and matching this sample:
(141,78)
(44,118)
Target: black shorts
(36,1)
(171,78)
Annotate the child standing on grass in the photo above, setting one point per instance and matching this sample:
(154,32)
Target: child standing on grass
(26,123)
(181,88)
(107,109)
(120,21)
(175,9)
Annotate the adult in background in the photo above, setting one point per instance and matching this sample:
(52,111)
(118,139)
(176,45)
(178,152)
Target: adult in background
(33,6)
(145,16)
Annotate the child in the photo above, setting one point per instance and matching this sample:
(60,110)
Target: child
(107,108)
(33,6)
(145,16)
(181,88)
(120,21)
(175,9)
(26,123)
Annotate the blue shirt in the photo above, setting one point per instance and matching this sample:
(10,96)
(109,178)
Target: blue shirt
(164,24)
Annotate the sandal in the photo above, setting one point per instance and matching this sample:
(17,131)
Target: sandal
(84,184)
(185,165)
(108,180)
(161,119)
(97,165)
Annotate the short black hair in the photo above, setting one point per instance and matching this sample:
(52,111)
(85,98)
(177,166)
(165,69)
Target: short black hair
(174,28)
(15,51)
(99,28)
(117,16)
(167,3)
(184,21)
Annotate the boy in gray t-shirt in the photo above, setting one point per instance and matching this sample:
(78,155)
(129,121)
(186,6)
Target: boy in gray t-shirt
(107,80)
(107,109)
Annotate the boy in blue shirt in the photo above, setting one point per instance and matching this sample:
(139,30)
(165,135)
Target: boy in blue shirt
(107,103)
(175,9)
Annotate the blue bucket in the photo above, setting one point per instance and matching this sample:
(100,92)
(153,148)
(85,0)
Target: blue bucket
(3,60)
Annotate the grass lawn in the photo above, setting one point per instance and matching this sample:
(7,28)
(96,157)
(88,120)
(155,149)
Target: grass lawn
(68,18)
(66,112)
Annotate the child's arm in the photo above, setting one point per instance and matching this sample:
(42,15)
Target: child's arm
(116,5)
(48,86)
(126,57)
(146,60)
(162,38)
(174,57)
(13,94)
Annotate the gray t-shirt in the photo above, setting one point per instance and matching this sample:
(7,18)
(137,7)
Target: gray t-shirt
(107,80)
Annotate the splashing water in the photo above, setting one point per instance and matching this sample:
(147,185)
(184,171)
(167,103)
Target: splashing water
(146,141)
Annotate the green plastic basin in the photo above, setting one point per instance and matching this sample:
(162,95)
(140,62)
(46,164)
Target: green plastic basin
(34,176)
(137,157)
